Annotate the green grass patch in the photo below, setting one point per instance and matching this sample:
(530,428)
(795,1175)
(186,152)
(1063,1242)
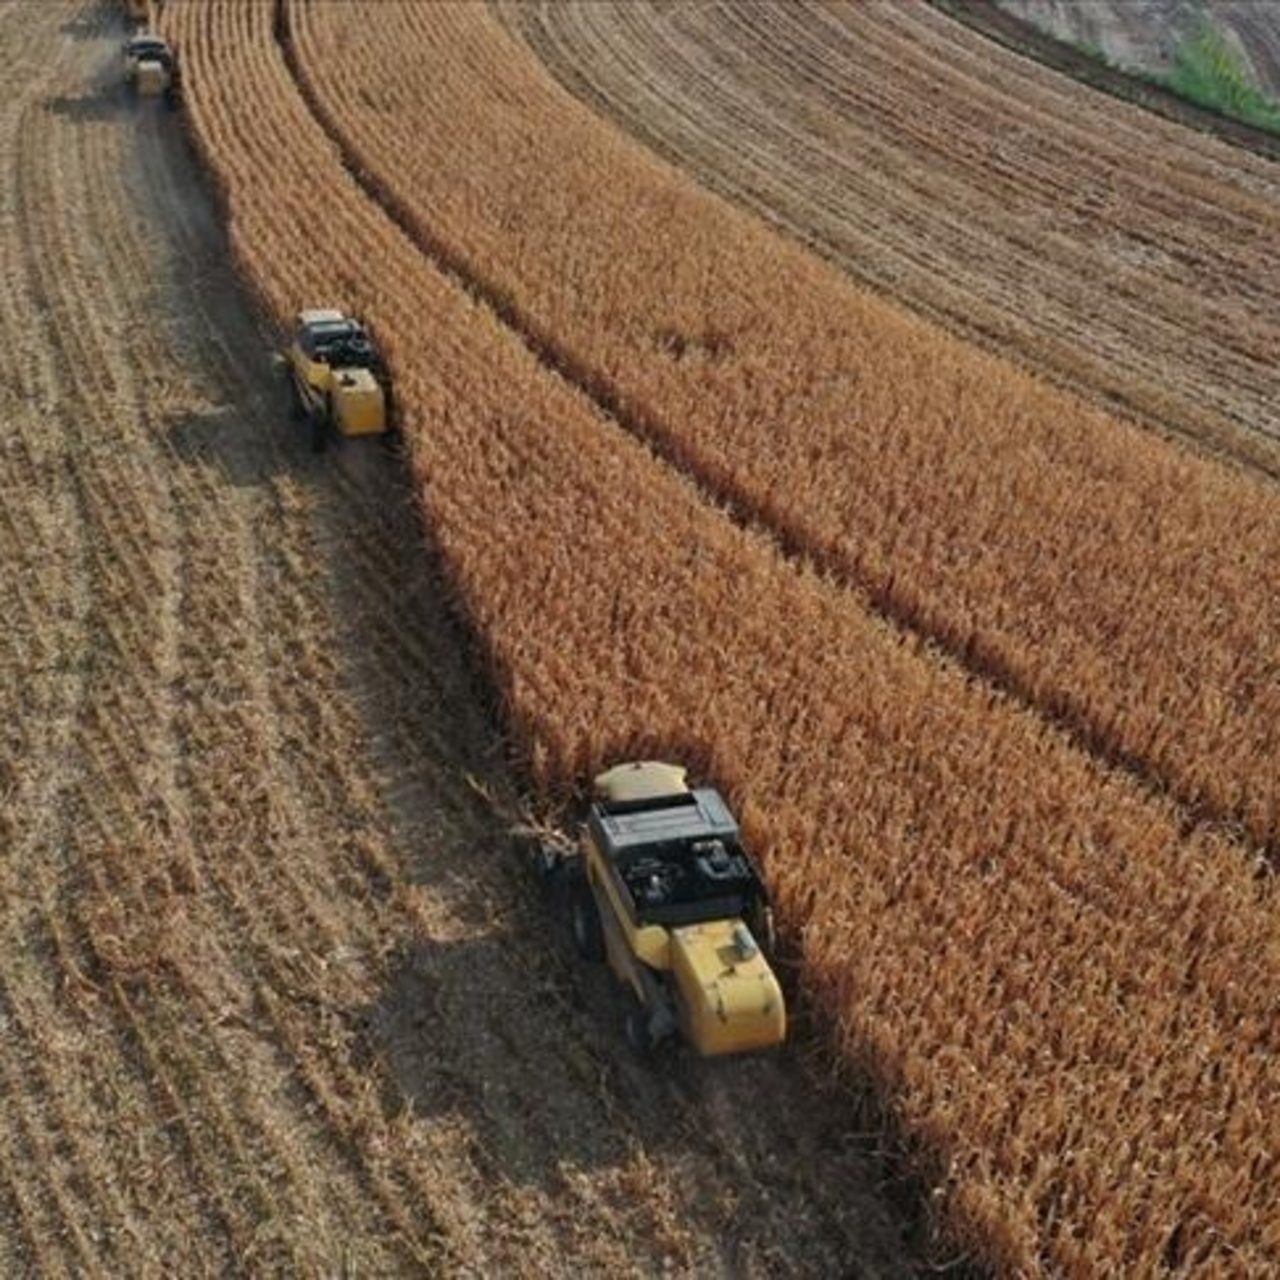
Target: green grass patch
(1207,71)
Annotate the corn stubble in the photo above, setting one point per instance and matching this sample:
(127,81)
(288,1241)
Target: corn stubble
(1063,1000)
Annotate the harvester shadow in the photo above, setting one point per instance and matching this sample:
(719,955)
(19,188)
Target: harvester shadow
(506,1047)
(107,104)
(491,1036)
(201,438)
(248,450)
(478,1033)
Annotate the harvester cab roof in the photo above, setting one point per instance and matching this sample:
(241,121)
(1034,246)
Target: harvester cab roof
(148,47)
(678,856)
(333,339)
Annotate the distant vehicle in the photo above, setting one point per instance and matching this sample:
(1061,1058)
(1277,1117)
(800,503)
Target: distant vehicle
(338,378)
(151,67)
(662,888)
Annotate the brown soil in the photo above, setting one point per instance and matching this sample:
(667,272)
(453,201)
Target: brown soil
(276,994)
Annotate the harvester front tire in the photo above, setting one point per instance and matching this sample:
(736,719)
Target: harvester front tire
(323,420)
(636,1025)
(584,920)
(319,429)
(297,405)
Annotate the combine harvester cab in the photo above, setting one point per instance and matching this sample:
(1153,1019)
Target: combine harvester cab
(663,889)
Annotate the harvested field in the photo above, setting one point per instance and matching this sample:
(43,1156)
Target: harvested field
(275,998)
(1060,992)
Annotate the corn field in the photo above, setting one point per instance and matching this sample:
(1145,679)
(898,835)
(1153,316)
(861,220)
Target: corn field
(697,496)
(275,998)
(1107,581)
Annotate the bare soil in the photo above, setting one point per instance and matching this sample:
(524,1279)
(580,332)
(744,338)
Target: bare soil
(276,995)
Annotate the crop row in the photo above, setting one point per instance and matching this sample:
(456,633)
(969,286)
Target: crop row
(1062,1000)
(1127,255)
(1104,577)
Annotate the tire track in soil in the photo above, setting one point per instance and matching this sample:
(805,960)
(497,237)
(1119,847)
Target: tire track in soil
(62,1200)
(231,581)
(112,737)
(113,744)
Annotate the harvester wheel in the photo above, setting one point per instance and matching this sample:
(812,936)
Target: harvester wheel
(322,419)
(319,429)
(639,1037)
(391,440)
(584,920)
(297,405)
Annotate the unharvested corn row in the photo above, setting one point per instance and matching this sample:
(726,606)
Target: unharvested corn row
(1109,580)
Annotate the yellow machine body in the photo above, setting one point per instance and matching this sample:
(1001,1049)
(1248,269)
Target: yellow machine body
(690,959)
(350,397)
(359,405)
(152,78)
(728,999)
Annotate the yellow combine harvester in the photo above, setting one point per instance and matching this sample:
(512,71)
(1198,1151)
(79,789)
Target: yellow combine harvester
(151,67)
(662,888)
(338,378)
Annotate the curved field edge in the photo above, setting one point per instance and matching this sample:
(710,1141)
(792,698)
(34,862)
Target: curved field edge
(1000,925)
(1038,542)
(824,139)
